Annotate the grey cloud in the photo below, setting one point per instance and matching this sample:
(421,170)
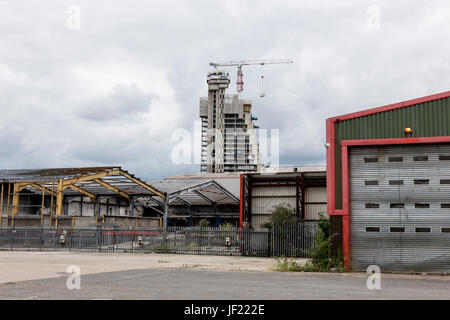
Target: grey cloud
(124,103)
(63,92)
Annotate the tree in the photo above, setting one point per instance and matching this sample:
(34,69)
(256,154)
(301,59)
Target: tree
(282,213)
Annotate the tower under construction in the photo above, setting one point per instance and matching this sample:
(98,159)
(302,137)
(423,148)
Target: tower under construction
(229,141)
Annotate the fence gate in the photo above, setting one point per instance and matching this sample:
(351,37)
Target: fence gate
(293,239)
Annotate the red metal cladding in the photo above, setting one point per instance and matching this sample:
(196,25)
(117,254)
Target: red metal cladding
(330,165)
(241,209)
(330,156)
(393,106)
(346,184)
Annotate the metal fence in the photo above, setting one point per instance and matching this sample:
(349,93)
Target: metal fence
(204,241)
(213,241)
(294,239)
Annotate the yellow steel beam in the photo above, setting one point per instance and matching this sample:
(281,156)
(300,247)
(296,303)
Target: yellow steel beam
(15,203)
(1,207)
(91,177)
(7,205)
(81,190)
(51,203)
(59,200)
(143,184)
(38,186)
(112,188)
(18,186)
(42,207)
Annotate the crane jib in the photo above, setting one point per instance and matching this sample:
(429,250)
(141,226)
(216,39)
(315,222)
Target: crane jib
(240,64)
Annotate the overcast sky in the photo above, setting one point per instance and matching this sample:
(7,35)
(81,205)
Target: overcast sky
(111,89)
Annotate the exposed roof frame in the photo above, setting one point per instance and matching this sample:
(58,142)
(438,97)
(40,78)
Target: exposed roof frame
(182,200)
(176,194)
(113,188)
(201,195)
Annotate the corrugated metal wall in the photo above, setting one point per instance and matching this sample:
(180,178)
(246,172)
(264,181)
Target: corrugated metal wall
(316,202)
(264,199)
(400,207)
(428,119)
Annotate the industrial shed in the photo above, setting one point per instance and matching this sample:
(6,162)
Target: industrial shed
(43,197)
(388,185)
(190,200)
(303,188)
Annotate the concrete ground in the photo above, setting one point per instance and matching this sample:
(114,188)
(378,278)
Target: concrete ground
(42,275)
(28,265)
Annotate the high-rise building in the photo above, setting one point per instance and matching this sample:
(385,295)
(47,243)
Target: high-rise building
(229,142)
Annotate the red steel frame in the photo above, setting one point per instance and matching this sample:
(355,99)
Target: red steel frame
(241,207)
(345,144)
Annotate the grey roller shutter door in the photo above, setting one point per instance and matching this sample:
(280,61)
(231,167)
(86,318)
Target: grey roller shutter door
(400,207)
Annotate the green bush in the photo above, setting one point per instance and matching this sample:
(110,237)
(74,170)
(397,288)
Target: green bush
(203,223)
(226,226)
(282,213)
(287,265)
(320,258)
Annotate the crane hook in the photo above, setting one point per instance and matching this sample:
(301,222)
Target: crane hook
(262,94)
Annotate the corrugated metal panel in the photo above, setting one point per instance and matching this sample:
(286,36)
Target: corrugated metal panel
(428,119)
(408,205)
(316,202)
(265,199)
(258,220)
(266,205)
(313,211)
(316,194)
(273,191)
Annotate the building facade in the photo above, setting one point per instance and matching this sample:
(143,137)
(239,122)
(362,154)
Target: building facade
(302,188)
(388,185)
(229,141)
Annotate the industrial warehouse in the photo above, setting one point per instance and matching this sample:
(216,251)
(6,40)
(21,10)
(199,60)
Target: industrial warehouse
(384,190)
(83,197)
(213,158)
(388,185)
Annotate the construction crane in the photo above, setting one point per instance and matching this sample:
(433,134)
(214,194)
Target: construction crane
(240,64)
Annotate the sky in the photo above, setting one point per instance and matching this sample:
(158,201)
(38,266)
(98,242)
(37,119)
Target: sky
(94,83)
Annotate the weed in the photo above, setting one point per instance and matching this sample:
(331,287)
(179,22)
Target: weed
(163,261)
(320,258)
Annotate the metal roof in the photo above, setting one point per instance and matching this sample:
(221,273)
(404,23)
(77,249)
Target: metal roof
(309,172)
(195,192)
(390,107)
(51,174)
(293,168)
(98,181)
(205,175)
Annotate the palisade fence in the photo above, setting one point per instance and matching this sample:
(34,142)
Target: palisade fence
(294,239)
(187,240)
